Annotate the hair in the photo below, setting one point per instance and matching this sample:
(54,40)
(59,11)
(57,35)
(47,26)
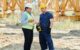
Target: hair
(26,8)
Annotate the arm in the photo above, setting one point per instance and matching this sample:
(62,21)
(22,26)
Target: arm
(23,19)
(51,19)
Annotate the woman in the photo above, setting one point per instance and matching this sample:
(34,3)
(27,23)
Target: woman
(27,26)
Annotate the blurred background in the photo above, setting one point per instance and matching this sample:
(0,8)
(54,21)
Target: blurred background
(65,31)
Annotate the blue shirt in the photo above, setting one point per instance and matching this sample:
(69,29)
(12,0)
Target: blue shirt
(45,19)
(24,18)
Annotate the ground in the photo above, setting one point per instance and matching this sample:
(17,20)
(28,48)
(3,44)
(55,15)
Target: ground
(11,37)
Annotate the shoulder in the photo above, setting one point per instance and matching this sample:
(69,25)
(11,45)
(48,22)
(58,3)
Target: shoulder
(49,13)
(23,13)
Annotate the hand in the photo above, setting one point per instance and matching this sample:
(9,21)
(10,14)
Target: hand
(31,21)
(36,22)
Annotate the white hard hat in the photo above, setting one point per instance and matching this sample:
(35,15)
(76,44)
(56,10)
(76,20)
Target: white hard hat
(28,5)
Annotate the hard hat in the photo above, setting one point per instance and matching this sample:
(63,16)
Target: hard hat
(29,5)
(43,6)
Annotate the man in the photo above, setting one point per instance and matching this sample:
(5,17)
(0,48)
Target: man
(45,33)
(27,26)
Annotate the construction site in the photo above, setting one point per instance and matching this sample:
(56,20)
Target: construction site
(65,31)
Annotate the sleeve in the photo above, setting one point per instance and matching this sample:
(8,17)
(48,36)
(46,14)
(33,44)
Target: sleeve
(23,19)
(50,15)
